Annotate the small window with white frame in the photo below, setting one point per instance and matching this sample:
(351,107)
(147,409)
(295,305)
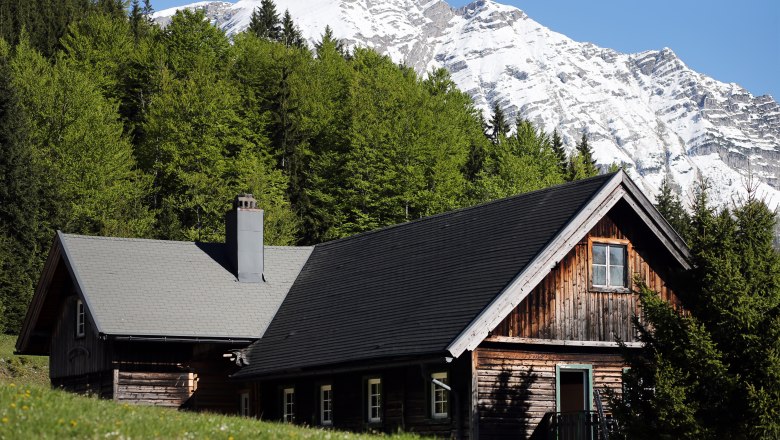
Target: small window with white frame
(80,317)
(608,269)
(440,397)
(244,399)
(374,400)
(326,405)
(288,408)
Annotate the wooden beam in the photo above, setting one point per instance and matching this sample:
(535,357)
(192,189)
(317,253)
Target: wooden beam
(559,342)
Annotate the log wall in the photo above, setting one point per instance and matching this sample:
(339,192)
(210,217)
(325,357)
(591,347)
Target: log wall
(171,389)
(516,385)
(564,306)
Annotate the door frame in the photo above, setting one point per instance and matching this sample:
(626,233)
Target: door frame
(585,368)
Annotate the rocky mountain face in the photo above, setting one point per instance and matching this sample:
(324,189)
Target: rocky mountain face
(647,111)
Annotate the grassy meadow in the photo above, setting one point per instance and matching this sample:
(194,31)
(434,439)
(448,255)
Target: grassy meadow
(29,409)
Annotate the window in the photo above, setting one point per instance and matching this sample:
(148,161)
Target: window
(326,405)
(288,414)
(609,265)
(374,400)
(245,404)
(440,405)
(79,318)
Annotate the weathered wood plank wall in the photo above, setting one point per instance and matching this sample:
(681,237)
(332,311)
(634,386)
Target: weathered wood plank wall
(72,356)
(564,306)
(170,389)
(517,385)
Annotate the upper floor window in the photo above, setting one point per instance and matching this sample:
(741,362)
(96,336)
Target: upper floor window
(609,265)
(288,414)
(440,405)
(374,400)
(326,404)
(79,318)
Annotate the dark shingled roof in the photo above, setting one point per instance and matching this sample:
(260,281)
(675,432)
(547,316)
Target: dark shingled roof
(411,289)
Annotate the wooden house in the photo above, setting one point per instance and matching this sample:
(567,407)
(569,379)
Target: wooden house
(152,321)
(494,321)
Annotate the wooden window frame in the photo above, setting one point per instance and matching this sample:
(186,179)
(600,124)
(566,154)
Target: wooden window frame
(433,389)
(288,416)
(587,368)
(369,417)
(626,270)
(329,420)
(81,319)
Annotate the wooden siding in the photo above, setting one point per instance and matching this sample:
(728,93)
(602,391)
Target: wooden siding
(155,388)
(565,307)
(76,356)
(405,399)
(517,385)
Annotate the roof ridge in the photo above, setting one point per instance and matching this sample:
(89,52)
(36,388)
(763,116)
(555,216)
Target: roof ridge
(605,177)
(171,242)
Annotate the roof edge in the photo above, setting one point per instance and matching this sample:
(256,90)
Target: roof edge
(619,187)
(74,274)
(513,294)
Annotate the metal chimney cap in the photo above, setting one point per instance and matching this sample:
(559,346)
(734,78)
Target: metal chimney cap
(245,201)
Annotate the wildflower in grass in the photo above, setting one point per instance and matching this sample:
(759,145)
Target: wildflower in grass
(25,408)
(12,385)
(12,405)
(73,423)
(5,419)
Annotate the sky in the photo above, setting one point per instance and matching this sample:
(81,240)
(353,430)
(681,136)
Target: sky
(731,41)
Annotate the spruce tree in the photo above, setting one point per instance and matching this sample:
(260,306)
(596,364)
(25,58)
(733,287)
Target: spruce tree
(713,371)
(669,205)
(498,124)
(291,36)
(329,41)
(265,22)
(560,152)
(586,153)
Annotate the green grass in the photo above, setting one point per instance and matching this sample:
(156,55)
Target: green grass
(34,411)
(21,369)
(30,409)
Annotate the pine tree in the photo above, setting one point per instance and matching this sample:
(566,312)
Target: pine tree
(669,205)
(586,153)
(291,36)
(265,22)
(137,20)
(148,10)
(560,152)
(498,124)
(328,40)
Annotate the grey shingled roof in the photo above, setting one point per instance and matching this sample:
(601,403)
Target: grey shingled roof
(411,289)
(177,289)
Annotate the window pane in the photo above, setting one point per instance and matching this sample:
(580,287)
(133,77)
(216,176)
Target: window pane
(616,276)
(599,275)
(599,254)
(617,256)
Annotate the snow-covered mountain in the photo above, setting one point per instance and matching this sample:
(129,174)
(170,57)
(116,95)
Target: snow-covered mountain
(646,110)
